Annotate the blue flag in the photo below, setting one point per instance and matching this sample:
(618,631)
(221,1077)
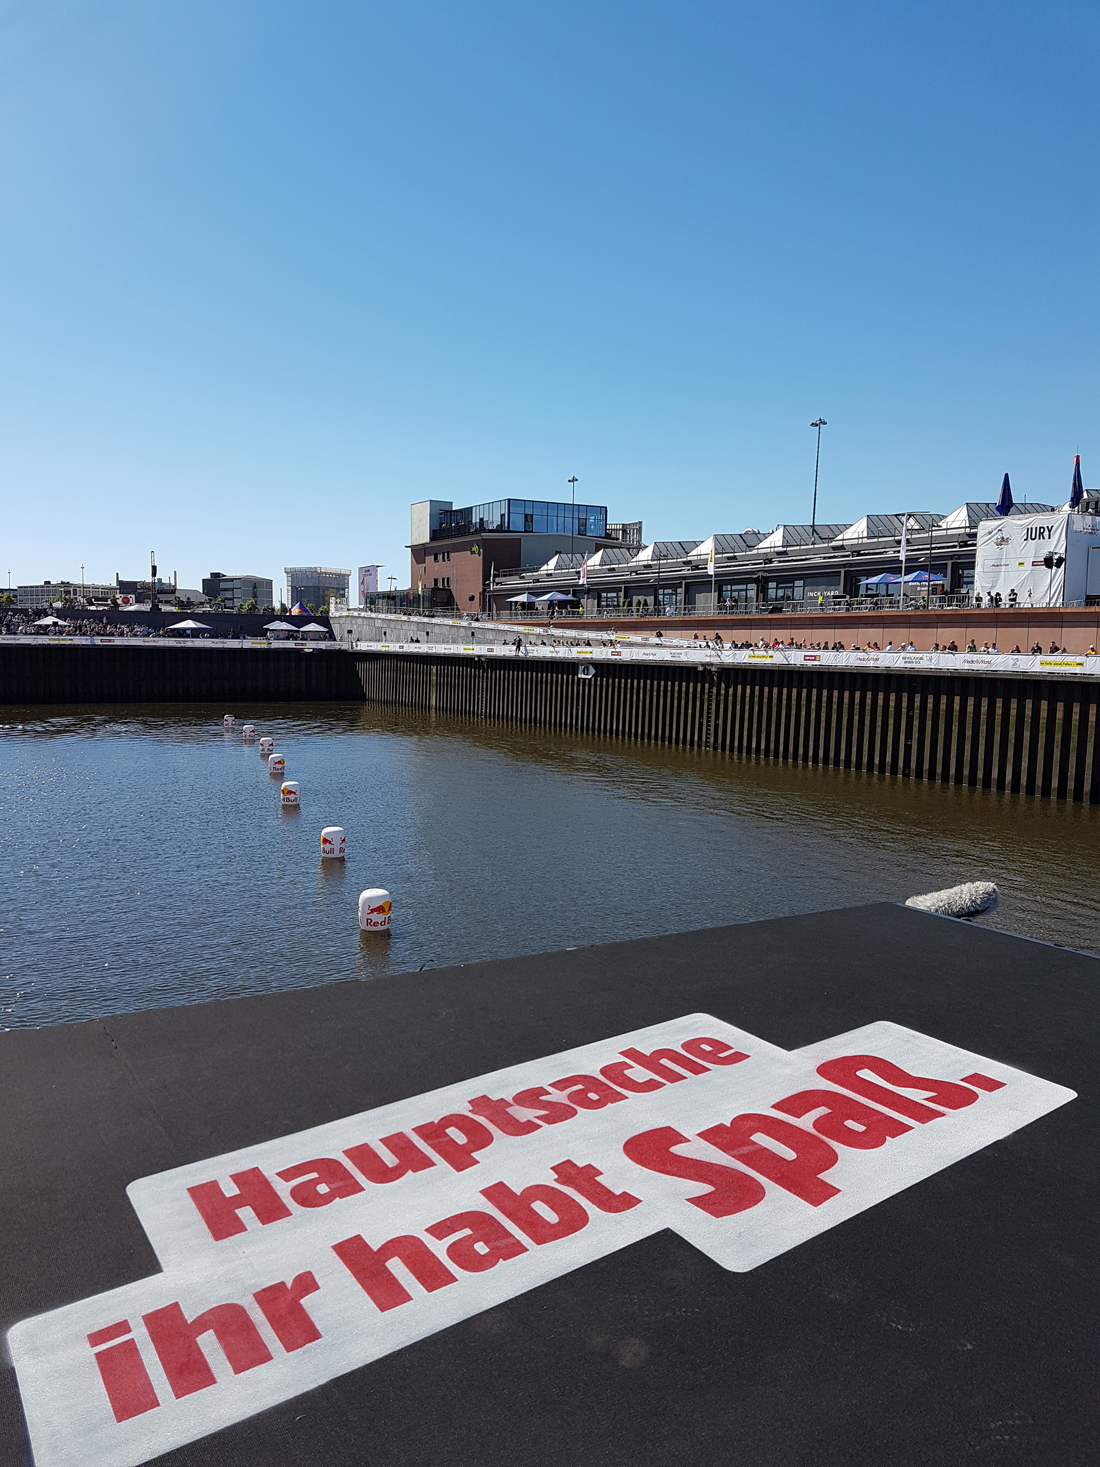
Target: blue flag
(1004,504)
(1077,493)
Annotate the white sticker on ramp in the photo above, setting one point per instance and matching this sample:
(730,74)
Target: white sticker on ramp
(294,1261)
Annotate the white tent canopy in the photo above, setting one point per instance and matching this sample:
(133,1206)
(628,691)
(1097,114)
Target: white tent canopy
(51,621)
(188,626)
(279,626)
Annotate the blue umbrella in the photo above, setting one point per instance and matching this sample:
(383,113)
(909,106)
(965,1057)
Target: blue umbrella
(1004,504)
(555,596)
(1077,493)
(883,580)
(924,576)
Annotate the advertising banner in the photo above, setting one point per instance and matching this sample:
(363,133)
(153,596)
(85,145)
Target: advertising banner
(1011,551)
(1010,558)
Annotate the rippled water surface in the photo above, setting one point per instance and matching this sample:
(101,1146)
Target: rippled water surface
(146,861)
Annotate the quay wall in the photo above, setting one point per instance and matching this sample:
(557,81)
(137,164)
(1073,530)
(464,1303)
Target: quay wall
(52,670)
(1021,731)
(1024,734)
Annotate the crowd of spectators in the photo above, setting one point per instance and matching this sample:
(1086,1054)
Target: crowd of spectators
(18,622)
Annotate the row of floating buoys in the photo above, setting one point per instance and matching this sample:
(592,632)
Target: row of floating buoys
(375,905)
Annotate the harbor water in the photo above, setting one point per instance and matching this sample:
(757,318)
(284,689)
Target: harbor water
(146,858)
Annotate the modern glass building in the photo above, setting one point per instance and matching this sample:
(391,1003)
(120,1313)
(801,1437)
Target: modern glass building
(522,517)
(315,585)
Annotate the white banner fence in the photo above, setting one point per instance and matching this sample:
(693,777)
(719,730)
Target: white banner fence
(993,664)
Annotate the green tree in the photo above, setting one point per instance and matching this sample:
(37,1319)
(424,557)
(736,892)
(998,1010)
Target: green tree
(248,608)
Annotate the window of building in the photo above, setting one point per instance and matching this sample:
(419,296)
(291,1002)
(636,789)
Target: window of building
(669,596)
(737,593)
(530,516)
(785,590)
(609,598)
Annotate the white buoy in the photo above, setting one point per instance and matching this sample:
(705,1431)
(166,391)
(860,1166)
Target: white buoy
(228,720)
(333,843)
(249,731)
(289,792)
(967,901)
(276,764)
(375,910)
(267,746)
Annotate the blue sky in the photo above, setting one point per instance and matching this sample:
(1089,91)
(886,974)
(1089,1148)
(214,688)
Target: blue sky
(271,271)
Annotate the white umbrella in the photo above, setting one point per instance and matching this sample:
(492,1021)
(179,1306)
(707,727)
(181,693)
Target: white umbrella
(188,626)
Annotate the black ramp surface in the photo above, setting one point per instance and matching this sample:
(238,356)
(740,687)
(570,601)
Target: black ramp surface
(951,1323)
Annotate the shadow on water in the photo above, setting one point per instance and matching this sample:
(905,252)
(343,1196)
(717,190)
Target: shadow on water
(149,862)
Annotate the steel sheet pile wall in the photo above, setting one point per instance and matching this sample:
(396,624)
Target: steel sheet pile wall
(133,673)
(1024,735)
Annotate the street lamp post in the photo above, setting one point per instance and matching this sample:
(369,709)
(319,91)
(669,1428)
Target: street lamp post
(818,424)
(573,518)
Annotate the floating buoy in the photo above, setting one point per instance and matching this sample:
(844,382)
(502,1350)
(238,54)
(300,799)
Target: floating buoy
(375,910)
(289,792)
(228,720)
(266,746)
(967,901)
(276,764)
(249,731)
(333,843)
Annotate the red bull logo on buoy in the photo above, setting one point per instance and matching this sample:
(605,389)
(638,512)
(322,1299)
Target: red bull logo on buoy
(289,793)
(333,843)
(375,910)
(276,764)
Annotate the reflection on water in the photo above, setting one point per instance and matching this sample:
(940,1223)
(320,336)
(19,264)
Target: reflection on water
(146,859)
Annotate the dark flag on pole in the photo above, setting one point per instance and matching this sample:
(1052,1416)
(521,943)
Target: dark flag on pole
(1077,493)
(1004,504)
